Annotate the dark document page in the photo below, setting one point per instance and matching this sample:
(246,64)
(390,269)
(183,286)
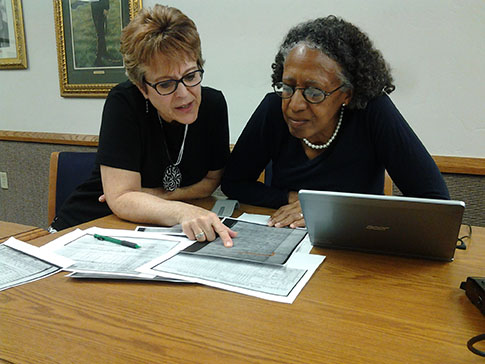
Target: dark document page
(254,243)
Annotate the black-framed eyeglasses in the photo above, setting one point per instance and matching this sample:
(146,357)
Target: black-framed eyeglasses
(311,94)
(168,87)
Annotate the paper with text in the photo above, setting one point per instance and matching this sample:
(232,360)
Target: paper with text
(281,283)
(92,255)
(22,263)
(254,243)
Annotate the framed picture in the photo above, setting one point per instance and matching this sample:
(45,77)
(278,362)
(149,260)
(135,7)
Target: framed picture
(12,38)
(88,44)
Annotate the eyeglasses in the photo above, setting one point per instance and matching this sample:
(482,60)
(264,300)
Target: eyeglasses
(311,94)
(168,87)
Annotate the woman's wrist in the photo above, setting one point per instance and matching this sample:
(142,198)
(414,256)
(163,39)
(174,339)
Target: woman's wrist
(292,196)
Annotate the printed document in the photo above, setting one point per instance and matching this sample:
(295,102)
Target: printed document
(281,283)
(92,255)
(23,263)
(254,243)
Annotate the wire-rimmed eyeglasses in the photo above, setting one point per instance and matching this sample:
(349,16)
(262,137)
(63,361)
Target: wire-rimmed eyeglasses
(311,94)
(168,87)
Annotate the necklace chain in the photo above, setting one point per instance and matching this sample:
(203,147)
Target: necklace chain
(181,152)
(326,145)
(172,177)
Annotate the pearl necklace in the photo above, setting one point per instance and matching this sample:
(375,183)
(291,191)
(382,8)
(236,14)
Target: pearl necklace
(324,146)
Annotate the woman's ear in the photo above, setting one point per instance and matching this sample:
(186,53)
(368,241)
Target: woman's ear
(348,97)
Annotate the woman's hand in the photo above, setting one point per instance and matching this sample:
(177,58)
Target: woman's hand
(125,197)
(288,215)
(203,225)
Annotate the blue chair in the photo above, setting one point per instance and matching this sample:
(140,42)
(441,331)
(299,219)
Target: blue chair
(268,173)
(67,170)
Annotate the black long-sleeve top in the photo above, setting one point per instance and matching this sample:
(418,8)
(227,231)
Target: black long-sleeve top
(369,141)
(133,139)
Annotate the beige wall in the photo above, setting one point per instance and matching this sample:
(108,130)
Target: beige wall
(435,48)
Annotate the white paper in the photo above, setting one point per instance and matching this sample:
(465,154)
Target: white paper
(23,263)
(256,218)
(305,245)
(259,219)
(96,256)
(276,283)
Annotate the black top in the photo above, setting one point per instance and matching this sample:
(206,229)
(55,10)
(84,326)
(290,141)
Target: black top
(368,142)
(132,139)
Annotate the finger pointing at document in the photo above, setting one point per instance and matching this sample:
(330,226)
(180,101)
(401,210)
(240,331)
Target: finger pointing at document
(202,225)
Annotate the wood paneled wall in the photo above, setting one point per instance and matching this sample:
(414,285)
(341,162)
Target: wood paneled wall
(458,165)
(25,156)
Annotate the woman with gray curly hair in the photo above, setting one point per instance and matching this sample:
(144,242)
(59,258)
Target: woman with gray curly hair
(329,125)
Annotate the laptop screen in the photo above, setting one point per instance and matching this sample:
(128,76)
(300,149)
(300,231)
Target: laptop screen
(415,227)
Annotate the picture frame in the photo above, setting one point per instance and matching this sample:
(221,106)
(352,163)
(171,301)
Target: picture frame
(88,40)
(13,54)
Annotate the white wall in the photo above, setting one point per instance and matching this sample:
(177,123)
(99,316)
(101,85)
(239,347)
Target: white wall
(436,49)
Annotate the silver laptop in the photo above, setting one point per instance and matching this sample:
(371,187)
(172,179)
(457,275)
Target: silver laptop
(415,227)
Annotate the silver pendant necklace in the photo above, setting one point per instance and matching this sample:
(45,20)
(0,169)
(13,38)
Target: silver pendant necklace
(326,145)
(172,177)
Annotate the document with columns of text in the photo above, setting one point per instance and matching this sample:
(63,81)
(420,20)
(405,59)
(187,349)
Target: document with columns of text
(281,283)
(104,259)
(22,263)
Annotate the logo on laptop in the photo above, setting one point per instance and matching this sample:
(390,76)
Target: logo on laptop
(377,228)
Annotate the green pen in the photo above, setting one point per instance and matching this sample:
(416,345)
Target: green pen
(117,241)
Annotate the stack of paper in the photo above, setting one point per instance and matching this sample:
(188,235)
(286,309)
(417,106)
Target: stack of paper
(22,263)
(265,262)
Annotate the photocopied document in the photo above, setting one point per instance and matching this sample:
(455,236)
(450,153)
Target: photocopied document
(265,262)
(281,283)
(90,254)
(254,243)
(255,265)
(22,263)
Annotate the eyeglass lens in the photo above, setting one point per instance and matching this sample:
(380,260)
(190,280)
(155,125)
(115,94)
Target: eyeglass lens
(311,94)
(189,80)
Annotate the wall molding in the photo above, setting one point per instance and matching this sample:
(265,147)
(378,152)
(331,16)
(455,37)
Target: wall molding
(460,165)
(49,138)
(446,164)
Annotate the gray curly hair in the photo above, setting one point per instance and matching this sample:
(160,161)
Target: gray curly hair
(364,70)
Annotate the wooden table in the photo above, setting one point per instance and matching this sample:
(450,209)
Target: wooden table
(357,308)
(19,231)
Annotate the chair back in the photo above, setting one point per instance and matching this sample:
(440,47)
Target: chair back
(67,170)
